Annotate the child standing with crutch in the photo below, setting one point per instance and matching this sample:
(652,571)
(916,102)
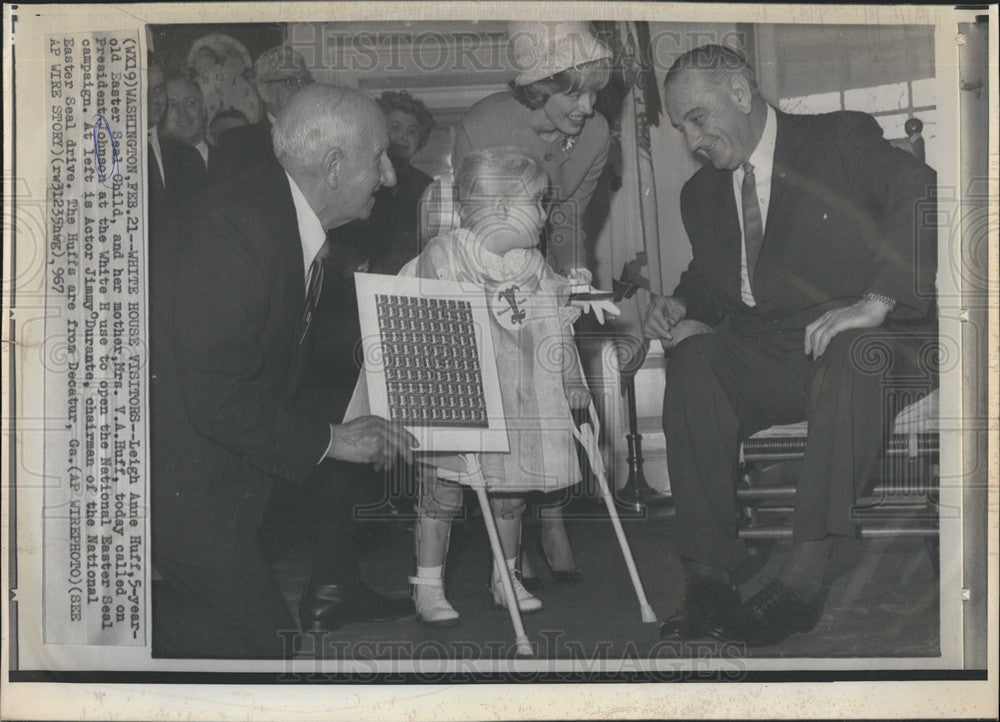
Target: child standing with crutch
(499,193)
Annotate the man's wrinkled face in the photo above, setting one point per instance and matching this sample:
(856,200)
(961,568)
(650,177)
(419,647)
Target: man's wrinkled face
(186,117)
(156,95)
(708,115)
(367,167)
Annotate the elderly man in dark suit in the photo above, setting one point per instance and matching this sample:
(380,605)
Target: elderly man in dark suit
(232,325)
(806,247)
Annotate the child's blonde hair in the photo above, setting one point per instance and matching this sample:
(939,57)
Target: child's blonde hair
(489,174)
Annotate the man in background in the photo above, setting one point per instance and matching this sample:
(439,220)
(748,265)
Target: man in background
(186,119)
(174,167)
(279,73)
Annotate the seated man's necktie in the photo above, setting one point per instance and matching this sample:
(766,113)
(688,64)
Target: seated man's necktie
(753,223)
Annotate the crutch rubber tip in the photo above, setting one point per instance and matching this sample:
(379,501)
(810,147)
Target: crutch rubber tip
(648,615)
(524,648)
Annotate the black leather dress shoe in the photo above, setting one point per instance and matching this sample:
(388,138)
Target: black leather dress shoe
(708,609)
(330,606)
(775,613)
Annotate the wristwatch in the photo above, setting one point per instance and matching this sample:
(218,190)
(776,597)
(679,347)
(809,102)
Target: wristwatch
(889,303)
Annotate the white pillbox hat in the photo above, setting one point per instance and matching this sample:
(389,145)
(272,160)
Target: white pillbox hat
(544,49)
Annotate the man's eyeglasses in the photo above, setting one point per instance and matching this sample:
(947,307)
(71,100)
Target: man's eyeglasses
(291,82)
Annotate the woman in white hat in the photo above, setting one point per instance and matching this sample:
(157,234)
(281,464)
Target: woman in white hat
(549,113)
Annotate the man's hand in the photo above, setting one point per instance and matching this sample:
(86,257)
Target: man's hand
(663,314)
(866,313)
(370,439)
(684,328)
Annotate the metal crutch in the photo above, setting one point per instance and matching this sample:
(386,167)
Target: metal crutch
(587,435)
(479,484)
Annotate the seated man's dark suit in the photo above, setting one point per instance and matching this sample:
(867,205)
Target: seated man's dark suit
(227,304)
(842,222)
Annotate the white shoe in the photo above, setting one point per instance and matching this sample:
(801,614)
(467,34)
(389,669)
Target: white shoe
(432,607)
(526,602)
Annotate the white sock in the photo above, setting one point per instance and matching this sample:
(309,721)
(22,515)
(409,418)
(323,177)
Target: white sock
(430,572)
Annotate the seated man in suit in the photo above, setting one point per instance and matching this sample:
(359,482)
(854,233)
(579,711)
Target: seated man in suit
(233,297)
(807,250)
(279,73)
(173,165)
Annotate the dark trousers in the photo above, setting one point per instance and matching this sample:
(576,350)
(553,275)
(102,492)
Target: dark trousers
(724,387)
(331,495)
(232,609)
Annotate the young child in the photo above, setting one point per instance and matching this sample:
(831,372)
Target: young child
(499,192)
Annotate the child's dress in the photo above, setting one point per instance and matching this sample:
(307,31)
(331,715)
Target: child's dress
(536,357)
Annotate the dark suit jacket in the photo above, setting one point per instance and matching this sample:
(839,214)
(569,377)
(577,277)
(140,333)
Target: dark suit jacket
(183,176)
(242,151)
(842,221)
(227,300)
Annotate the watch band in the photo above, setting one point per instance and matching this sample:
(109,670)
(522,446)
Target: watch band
(889,303)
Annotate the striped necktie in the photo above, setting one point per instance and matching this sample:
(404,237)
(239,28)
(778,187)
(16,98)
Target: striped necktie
(314,287)
(753,224)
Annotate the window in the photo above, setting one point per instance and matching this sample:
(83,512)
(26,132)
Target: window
(891,105)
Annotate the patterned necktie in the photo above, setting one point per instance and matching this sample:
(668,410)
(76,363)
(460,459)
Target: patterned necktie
(753,224)
(314,288)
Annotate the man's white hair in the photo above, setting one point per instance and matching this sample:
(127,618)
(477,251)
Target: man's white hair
(278,62)
(319,117)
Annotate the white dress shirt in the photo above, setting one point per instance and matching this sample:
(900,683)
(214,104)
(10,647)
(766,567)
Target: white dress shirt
(311,231)
(154,140)
(762,160)
(202,149)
